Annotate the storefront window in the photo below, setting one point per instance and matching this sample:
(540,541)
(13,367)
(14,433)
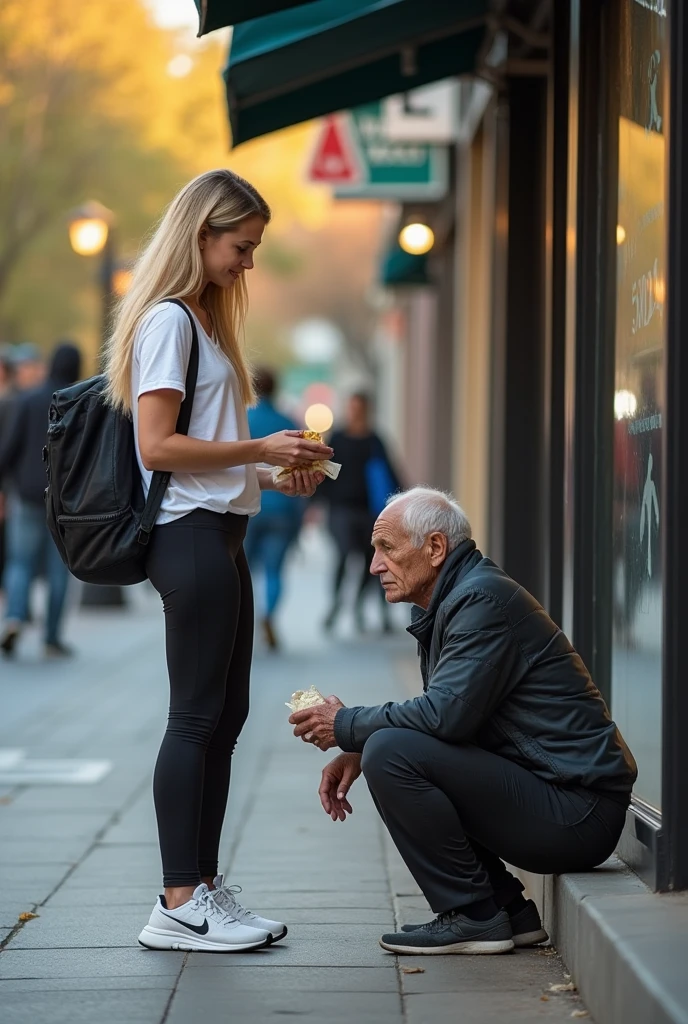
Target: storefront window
(639,384)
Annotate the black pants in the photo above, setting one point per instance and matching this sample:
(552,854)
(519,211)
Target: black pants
(456,812)
(197,565)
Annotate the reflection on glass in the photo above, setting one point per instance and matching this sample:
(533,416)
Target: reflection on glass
(639,392)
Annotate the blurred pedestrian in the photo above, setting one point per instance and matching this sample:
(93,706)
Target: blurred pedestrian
(7,397)
(29,366)
(272,533)
(195,560)
(29,543)
(355,498)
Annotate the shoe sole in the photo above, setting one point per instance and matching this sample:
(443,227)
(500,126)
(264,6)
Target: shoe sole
(278,938)
(158,938)
(477,947)
(530,938)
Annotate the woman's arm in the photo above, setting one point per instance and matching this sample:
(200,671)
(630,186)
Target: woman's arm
(162,448)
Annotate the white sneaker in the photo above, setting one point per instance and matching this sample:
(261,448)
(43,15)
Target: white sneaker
(202,924)
(225,897)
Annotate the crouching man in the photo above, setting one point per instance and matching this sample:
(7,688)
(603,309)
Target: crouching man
(509,754)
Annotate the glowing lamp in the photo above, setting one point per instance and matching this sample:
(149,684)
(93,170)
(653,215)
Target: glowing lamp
(319,417)
(416,239)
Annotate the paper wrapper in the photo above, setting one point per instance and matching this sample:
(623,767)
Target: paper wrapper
(303,699)
(330,469)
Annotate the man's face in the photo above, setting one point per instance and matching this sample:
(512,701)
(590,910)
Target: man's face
(406,573)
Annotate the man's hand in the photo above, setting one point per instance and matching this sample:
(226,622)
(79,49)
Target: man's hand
(337,779)
(316,725)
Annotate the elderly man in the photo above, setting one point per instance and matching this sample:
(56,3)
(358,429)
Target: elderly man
(509,754)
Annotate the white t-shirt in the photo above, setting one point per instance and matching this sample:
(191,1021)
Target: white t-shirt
(161,355)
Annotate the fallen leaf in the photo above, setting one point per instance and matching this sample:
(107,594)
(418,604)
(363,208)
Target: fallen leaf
(580,1013)
(544,999)
(413,970)
(27,916)
(563,987)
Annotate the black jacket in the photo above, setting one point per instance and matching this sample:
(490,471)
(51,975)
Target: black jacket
(21,450)
(499,673)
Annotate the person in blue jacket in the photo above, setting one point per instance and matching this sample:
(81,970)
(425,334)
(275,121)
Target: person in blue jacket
(271,534)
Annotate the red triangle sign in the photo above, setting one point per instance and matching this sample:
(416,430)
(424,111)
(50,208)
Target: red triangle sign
(334,159)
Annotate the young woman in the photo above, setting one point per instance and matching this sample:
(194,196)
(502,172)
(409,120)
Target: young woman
(200,253)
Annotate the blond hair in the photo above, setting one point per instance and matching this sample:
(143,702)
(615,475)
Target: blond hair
(171,267)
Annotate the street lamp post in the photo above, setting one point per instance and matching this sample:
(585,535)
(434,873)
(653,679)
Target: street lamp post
(91,234)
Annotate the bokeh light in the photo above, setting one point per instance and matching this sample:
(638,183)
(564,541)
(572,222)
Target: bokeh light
(88,235)
(319,417)
(416,239)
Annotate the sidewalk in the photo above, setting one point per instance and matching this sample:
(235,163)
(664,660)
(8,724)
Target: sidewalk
(84,858)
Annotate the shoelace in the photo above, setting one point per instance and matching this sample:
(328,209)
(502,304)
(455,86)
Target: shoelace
(441,921)
(210,908)
(230,893)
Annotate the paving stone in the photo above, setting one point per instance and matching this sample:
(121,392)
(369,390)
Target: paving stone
(64,928)
(320,899)
(246,978)
(318,946)
(263,1006)
(115,1007)
(9,913)
(524,970)
(488,1008)
(69,895)
(87,963)
(98,983)
(383,919)
(27,852)
(19,823)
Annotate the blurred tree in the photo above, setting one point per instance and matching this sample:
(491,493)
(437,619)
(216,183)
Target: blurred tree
(100,102)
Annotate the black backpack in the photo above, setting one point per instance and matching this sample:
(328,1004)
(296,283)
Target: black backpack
(94,500)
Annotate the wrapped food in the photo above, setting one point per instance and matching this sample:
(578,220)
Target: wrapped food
(303,699)
(330,469)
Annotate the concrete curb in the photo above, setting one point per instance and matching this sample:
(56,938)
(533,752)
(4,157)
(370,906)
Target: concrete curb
(625,946)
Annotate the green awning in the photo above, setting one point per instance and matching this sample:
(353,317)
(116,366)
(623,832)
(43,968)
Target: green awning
(400,268)
(331,55)
(214,14)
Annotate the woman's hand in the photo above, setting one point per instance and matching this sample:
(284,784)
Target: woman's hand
(337,779)
(288,448)
(300,483)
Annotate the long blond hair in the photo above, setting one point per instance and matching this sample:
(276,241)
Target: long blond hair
(171,267)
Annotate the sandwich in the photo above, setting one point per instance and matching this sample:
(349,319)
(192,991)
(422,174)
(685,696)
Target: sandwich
(330,469)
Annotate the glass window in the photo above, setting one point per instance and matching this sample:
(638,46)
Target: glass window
(639,387)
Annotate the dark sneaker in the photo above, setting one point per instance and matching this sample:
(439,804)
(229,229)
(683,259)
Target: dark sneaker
(453,932)
(58,650)
(9,639)
(526,927)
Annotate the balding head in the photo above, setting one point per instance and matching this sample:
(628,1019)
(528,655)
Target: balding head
(412,538)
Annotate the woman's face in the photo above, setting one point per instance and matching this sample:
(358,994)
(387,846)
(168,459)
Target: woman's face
(227,256)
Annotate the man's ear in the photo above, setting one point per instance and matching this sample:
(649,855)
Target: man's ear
(439,548)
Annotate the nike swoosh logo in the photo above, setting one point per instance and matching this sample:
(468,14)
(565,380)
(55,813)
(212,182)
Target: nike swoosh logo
(200,929)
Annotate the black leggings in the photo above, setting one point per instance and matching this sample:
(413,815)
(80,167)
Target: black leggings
(197,565)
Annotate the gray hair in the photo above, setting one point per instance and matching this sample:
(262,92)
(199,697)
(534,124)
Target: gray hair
(427,510)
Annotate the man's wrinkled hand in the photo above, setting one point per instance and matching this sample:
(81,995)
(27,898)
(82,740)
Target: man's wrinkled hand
(316,725)
(337,779)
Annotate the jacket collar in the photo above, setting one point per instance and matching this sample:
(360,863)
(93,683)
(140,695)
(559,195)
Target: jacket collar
(458,563)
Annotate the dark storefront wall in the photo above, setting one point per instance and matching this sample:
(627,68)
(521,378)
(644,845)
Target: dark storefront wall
(624,552)
(639,395)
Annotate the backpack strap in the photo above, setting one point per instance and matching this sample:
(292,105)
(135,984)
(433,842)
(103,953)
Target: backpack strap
(160,480)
